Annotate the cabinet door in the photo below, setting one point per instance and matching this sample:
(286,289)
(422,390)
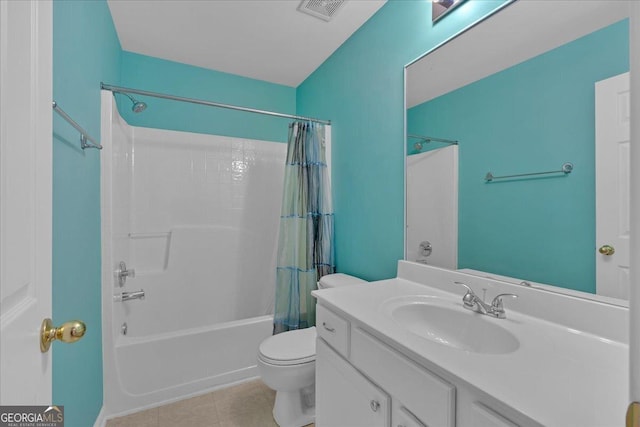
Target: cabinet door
(344,397)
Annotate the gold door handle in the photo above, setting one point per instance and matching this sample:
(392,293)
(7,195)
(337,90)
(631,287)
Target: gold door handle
(607,250)
(69,332)
(633,415)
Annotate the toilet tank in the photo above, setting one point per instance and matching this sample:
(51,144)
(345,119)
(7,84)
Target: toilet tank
(337,280)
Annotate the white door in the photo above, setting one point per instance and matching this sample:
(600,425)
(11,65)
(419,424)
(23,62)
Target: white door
(612,186)
(25,199)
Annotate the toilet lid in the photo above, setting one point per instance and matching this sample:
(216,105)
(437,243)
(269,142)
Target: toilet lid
(290,348)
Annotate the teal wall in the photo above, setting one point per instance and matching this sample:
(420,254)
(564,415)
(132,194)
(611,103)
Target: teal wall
(85,51)
(157,75)
(360,88)
(531,117)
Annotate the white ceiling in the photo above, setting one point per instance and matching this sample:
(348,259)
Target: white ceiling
(261,39)
(521,31)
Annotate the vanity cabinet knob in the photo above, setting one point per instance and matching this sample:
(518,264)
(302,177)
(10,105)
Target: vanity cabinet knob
(324,325)
(375,405)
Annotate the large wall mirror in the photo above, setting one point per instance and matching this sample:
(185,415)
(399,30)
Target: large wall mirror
(530,89)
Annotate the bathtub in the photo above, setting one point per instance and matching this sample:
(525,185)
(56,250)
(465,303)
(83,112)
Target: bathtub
(158,369)
(197,217)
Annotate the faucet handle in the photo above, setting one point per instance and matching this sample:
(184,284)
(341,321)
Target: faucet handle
(469,290)
(497,306)
(469,299)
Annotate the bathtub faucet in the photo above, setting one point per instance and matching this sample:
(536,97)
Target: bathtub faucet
(126,296)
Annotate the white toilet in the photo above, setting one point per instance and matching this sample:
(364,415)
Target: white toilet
(287,364)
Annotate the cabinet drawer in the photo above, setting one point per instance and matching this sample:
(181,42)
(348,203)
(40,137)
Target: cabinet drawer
(426,395)
(333,329)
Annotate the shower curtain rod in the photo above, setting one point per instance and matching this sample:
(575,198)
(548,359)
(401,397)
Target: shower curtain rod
(430,138)
(118,89)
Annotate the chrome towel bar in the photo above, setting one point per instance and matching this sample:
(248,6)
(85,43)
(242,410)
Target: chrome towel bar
(566,169)
(84,136)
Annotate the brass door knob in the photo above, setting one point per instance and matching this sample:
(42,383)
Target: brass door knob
(69,332)
(607,250)
(633,415)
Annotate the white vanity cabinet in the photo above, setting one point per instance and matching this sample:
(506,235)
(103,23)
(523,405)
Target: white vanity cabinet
(483,416)
(428,397)
(362,381)
(344,397)
(402,417)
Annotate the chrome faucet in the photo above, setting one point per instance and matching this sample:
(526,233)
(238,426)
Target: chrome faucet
(474,303)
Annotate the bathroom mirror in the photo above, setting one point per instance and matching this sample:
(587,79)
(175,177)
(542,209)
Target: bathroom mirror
(514,94)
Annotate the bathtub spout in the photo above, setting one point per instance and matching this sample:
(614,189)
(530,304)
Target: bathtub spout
(126,296)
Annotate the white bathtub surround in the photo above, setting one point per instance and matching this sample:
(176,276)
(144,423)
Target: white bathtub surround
(432,207)
(197,217)
(570,367)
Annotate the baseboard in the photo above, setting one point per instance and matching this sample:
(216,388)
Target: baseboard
(101,421)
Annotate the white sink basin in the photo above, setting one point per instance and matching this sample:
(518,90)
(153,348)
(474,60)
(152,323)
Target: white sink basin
(440,321)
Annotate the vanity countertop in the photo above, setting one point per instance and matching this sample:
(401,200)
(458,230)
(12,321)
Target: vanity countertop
(558,376)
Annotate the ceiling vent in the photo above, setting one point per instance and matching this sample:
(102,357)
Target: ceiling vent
(322,9)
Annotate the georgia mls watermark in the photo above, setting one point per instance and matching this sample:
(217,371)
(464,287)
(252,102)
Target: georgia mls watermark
(32,416)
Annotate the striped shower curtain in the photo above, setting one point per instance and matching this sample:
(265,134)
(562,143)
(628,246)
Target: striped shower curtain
(305,247)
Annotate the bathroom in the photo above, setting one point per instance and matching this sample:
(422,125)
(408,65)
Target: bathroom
(360,88)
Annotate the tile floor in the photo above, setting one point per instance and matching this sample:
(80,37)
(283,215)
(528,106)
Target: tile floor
(245,405)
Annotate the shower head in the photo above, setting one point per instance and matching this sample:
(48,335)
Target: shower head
(138,106)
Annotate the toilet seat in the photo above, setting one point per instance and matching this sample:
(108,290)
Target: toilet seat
(289,348)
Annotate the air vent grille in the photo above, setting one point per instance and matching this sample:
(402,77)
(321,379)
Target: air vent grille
(322,9)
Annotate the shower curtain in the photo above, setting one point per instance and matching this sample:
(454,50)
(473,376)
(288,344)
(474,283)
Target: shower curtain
(305,247)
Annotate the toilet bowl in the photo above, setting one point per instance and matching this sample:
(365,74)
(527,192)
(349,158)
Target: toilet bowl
(287,364)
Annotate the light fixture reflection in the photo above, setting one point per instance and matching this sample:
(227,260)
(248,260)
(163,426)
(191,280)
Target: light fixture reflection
(440,8)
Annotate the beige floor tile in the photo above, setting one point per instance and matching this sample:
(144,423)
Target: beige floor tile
(247,389)
(244,400)
(148,418)
(237,406)
(245,405)
(197,411)
(249,419)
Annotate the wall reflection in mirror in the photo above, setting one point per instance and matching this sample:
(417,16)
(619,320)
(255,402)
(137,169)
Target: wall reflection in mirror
(518,93)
